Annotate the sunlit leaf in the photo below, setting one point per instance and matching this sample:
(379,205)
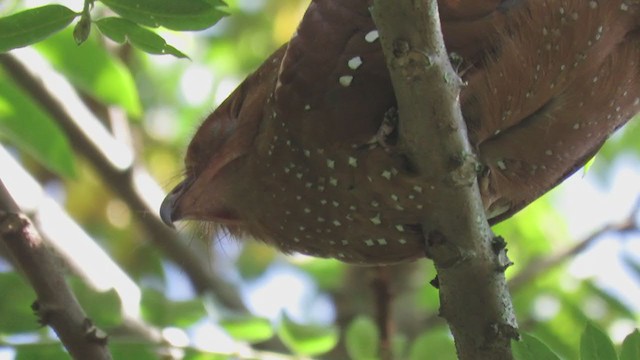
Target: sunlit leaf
(32,25)
(93,70)
(530,348)
(25,124)
(307,339)
(176,15)
(362,339)
(122,30)
(248,328)
(596,345)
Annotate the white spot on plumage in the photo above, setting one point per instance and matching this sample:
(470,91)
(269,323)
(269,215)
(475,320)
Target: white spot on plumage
(369,242)
(331,164)
(345,80)
(376,219)
(382,241)
(354,62)
(353,162)
(501,164)
(372,36)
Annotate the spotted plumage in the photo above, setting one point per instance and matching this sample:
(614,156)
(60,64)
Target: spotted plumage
(289,158)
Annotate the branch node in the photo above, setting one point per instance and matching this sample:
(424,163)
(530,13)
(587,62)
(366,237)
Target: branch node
(93,333)
(444,253)
(500,332)
(411,61)
(465,170)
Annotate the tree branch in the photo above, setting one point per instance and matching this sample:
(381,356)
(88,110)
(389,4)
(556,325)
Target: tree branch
(56,305)
(121,181)
(470,262)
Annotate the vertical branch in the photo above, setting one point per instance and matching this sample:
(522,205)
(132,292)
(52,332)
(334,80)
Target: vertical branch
(470,262)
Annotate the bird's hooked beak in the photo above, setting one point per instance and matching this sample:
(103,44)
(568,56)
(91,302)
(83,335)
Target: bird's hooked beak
(169,211)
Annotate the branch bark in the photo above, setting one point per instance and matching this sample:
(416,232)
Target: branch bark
(56,305)
(469,260)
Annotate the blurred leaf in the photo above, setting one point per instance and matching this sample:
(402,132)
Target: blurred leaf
(530,348)
(176,15)
(328,273)
(104,308)
(613,303)
(122,30)
(433,342)
(32,130)
(631,346)
(307,339)
(15,305)
(160,311)
(254,259)
(132,351)
(596,345)
(92,69)
(192,354)
(32,25)
(41,351)
(399,344)
(248,328)
(362,339)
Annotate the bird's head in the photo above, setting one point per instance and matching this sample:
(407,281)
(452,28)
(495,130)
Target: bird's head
(217,155)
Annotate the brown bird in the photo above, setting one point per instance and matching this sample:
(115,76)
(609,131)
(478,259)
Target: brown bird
(301,157)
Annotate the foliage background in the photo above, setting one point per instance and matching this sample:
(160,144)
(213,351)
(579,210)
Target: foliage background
(154,103)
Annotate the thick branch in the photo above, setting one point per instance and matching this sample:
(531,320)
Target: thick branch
(473,292)
(56,306)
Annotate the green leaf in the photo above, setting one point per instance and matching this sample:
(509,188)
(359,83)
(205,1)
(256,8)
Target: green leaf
(596,345)
(122,30)
(176,15)
(32,130)
(41,351)
(159,310)
(248,328)
(93,70)
(307,339)
(531,348)
(104,308)
(30,26)
(361,339)
(15,305)
(433,342)
(133,350)
(631,346)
